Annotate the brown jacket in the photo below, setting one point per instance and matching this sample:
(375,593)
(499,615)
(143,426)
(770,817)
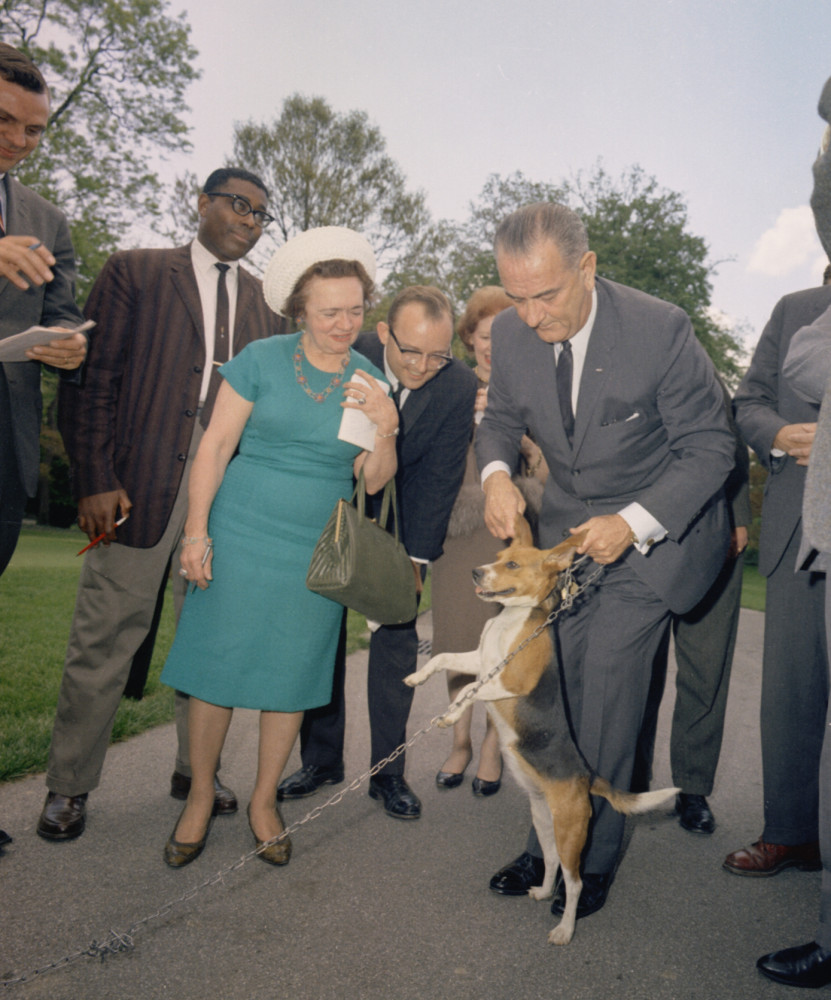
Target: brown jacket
(130,424)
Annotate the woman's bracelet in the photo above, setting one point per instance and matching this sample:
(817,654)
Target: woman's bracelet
(195,541)
(391,434)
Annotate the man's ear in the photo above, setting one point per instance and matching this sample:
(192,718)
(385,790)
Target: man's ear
(202,204)
(383,331)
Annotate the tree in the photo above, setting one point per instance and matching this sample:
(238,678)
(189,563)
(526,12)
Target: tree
(325,168)
(640,234)
(638,230)
(117,71)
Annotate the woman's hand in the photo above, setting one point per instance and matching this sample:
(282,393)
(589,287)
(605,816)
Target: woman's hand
(373,400)
(196,558)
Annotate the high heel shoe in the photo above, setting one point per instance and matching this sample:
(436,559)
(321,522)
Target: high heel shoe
(178,854)
(274,854)
(452,779)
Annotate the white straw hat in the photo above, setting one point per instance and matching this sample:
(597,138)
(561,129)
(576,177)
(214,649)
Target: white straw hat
(293,258)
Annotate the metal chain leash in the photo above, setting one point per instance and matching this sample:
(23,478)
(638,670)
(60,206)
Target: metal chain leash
(118,942)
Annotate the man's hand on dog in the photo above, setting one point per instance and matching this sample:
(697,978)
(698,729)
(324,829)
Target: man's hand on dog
(796,440)
(607,538)
(503,502)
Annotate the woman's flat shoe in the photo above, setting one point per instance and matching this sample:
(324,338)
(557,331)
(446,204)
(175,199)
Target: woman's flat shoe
(178,854)
(452,779)
(482,787)
(447,779)
(275,854)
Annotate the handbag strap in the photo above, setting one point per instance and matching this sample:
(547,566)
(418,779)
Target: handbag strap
(388,500)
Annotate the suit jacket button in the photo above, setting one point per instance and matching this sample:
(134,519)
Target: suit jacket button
(188,413)
(197,369)
(182,458)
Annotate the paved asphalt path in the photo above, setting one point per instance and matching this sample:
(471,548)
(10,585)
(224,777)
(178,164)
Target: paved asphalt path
(372,908)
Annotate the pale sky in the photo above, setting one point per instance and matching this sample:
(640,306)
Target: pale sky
(715,98)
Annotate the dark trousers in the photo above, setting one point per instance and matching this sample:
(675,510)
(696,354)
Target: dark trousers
(12,490)
(705,639)
(393,653)
(794,698)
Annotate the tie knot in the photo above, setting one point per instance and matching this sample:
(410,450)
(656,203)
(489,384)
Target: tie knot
(222,268)
(565,346)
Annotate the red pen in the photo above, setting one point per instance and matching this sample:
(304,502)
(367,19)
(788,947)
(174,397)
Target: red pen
(101,538)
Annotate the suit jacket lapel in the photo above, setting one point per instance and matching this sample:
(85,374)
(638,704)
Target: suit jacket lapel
(184,281)
(596,368)
(16,218)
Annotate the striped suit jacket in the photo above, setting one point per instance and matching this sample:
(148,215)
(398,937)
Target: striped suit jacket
(129,426)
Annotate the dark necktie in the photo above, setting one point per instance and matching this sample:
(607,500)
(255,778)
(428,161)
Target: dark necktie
(565,369)
(220,342)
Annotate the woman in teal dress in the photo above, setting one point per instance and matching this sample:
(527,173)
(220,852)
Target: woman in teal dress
(251,634)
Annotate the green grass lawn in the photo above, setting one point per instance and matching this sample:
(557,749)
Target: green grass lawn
(37,596)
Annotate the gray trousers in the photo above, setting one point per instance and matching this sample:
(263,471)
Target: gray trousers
(794,697)
(606,645)
(114,608)
(705,639)
(823,935)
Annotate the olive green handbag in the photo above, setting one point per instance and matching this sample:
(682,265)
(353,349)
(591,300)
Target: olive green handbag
(358,563)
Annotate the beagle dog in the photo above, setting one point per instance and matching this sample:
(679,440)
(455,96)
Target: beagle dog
(525,702)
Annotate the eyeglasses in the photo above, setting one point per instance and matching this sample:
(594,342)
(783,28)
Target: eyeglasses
(242,206)
(413,358)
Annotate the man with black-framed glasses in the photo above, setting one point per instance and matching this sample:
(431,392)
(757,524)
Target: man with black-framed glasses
(435,393)
(166,320)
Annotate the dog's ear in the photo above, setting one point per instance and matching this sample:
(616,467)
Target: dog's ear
(561,555)
(522,532)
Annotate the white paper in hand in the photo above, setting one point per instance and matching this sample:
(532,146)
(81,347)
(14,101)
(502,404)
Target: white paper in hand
(14,348)
(355,425)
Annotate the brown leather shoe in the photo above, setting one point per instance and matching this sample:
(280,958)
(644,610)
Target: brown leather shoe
(761,859)
(226,801)
(63,817)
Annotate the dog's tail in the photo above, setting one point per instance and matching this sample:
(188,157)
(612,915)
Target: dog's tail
(630,803)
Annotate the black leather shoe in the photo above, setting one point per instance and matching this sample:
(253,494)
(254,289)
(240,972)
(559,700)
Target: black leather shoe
(694,813)
(592,895)
(400,801)
(481,787)
(808,965)
(449,779)
(4,839)
(307,780)
(224,798)
(63,817)
(517,878)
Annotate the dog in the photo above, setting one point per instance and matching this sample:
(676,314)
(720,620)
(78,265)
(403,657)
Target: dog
(526,703)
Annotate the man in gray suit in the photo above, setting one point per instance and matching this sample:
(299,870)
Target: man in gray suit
(779,425)
(37,288)
(625,405)
(807,369)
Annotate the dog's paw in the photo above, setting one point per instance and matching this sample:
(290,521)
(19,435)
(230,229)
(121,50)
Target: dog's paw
(538,892)
(561,934)
(413,680)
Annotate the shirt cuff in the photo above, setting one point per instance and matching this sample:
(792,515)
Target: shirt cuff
(646,529)
(492,467)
